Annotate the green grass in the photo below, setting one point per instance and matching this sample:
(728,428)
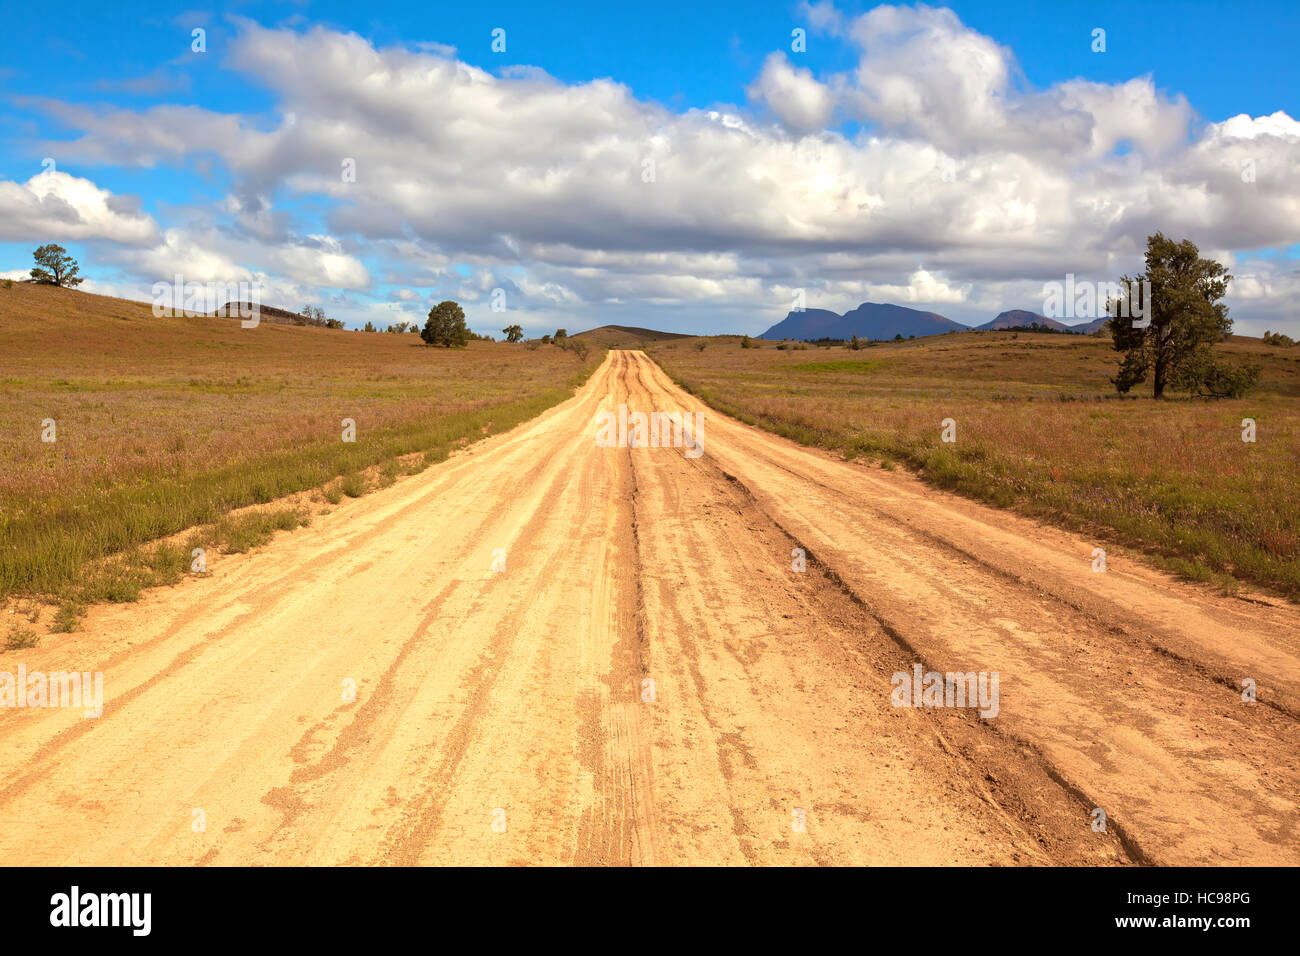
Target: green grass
(44,550)
(169,424)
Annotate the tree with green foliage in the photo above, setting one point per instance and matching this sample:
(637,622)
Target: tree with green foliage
(446,326)
(855,344)
(55,267)
(559,336)
(746,342)
(513,333)
(1184,318)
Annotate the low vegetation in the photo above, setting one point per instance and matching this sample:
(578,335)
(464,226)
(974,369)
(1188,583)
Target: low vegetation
(124,429)
(1040,429)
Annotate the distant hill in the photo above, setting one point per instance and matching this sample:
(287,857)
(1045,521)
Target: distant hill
(1088,328)
(624,336)
(266,313)
(871,320)
(1020,319)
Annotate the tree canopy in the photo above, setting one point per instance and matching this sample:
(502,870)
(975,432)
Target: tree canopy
(446,326)
(55,267)
(1184,317)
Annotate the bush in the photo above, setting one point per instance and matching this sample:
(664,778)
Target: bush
(68,617)
(20,638)
(1202,374)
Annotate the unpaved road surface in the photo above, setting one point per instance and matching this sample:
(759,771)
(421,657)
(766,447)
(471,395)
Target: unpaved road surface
(645,679)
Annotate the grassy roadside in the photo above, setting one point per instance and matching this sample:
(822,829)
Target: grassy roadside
(1040,431)
(46,548)
(151,460)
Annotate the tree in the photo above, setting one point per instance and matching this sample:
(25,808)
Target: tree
(746,343)
(513,333)
(55,267)
(855,344)
(1185,315)
(1202,375)
(898,337)
(446,326)
(560,336)
(369,327)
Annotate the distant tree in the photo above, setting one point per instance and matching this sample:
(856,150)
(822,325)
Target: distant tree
(55,267)
(559,336)
(1185,314)
(546,340)
(398,328)
(855,344)
(446,326)
(898,337)
(513,333)
(1278,339)
(369,327)
(747,343)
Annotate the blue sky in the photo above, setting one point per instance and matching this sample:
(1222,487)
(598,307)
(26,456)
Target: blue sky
(743,213)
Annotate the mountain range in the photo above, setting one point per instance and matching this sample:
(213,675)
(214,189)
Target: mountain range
(882,320)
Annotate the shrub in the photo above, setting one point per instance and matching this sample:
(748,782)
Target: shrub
(21,637)
(68,617)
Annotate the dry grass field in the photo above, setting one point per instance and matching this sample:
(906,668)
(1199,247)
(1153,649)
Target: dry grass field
(167,424)
(1040,429)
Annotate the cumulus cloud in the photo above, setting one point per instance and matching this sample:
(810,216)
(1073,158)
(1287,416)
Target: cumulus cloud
(577,196)
(56,206)
(801,103)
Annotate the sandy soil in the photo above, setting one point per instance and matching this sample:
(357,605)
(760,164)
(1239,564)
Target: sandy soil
(648,680)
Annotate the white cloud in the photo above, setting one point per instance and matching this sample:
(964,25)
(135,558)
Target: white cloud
(55,206)
(801,103)
(541,186)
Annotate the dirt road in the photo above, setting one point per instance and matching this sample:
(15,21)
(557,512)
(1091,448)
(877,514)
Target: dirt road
(645,678)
